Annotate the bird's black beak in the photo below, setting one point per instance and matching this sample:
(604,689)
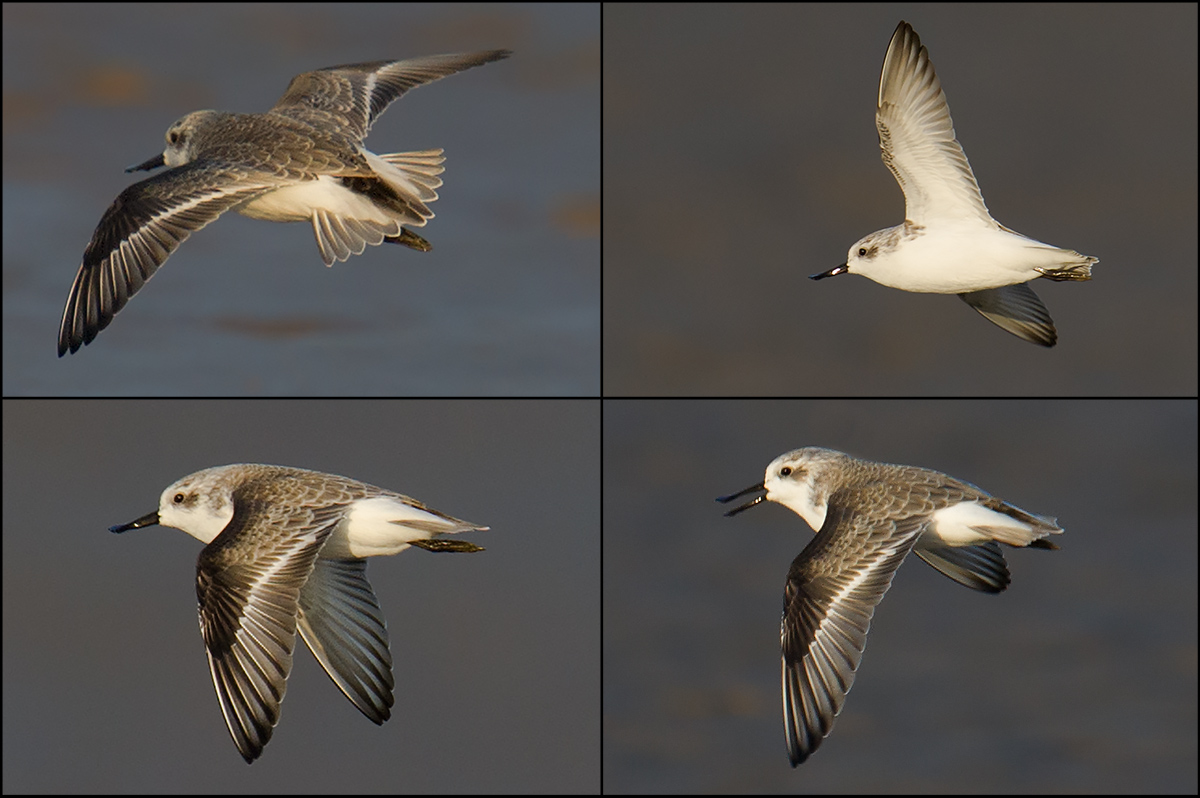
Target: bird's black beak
(149,519)
(153,163)
(740,493)
(834,272)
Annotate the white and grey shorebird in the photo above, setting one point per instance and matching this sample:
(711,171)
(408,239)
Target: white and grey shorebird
(302,161)
(868,517)
(286,552)
(949,243)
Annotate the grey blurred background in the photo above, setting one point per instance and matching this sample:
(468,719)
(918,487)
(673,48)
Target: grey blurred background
(507,303)
(740,156)
(1080,678)
(497,654)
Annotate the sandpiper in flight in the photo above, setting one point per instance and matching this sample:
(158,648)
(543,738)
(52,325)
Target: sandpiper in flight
(302,161)
(285,552)
(949,243)
(869,516)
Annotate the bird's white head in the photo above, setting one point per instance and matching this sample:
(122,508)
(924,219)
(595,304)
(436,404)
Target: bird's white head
(200,504)
(800,480)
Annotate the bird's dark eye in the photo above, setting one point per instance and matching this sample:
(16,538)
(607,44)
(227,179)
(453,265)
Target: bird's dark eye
(179,497)
(786,471)
(862,252)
